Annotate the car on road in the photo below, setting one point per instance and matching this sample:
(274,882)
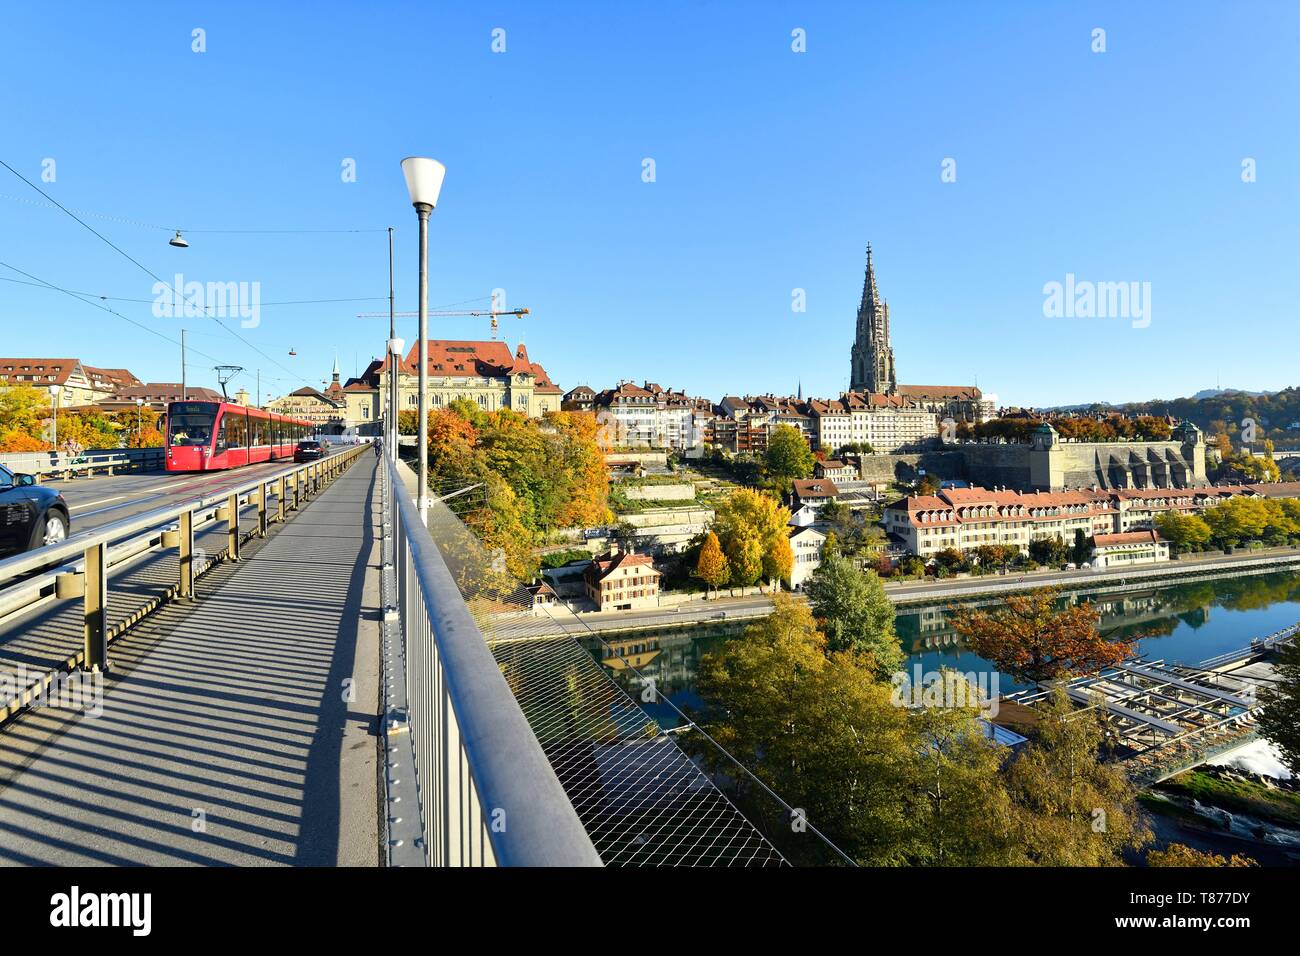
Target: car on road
(30,515)
(308,450)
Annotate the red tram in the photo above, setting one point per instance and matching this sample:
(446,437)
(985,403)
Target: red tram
(210,436)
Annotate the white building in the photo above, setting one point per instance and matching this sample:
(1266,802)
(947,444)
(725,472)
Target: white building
(806,543)
(888,423)
(1128,548)
(632,416)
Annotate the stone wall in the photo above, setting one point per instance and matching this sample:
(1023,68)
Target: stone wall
(903,468)
(683,491)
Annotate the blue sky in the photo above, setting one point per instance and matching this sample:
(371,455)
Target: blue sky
(773,170)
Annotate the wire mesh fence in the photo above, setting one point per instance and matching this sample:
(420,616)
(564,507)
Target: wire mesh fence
(642,798)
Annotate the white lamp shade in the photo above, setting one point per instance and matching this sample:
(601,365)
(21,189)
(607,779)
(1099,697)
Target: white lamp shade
(423,179)
(396,346)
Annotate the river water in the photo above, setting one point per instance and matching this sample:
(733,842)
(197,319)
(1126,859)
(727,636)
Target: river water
(1184,623)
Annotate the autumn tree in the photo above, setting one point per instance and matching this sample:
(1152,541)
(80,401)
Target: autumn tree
(1179,854)
(752,528)
(24,410)
(1279,721)
(960,811)
(1029,639)
(817,728)
(712,565)
(1073,808)
(778,561)
(854,612)
(887,784)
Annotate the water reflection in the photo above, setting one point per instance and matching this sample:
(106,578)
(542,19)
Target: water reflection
(1181,623)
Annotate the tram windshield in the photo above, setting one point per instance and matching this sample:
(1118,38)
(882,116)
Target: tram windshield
(190,423)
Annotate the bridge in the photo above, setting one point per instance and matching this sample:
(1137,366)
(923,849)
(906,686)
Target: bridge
(281,665)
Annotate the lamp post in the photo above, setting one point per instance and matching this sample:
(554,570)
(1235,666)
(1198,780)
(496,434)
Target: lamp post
(395,347)
(139,413)
(423,182)
(54,417)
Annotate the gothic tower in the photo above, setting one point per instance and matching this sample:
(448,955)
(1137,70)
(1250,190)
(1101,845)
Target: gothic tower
(872,366)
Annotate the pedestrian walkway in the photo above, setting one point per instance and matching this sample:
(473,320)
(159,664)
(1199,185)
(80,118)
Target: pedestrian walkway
(238,730)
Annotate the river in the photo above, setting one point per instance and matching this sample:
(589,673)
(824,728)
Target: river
(1180,623)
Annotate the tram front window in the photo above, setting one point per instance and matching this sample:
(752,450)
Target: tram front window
(190,424)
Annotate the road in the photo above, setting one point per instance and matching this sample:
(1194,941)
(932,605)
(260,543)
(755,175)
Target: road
(99,501)
(1166,570)
(519,626)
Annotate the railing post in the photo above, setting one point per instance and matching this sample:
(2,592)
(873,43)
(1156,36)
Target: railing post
(261,509)
(232,527)
(280,493)
(185,557)
(96,607)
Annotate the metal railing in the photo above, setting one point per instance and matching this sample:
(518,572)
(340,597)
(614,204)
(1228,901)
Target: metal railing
(47,463)
(81,566)
(468,783)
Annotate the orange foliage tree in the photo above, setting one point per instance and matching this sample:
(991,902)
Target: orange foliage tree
(1031,640)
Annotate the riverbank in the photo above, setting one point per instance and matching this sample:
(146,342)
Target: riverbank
(1184,568)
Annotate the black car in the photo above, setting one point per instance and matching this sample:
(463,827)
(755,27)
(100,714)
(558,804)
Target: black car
(30,515)
(308,450)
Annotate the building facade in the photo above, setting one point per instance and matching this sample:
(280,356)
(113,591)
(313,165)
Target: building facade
(966,518)
(806,544)
(1128,549)
(622,581)
(481,372)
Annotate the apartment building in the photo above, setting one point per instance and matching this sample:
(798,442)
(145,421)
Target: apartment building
(965,518)
(622,581)
(888,423)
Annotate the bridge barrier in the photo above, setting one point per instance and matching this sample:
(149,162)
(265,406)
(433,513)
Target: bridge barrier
(467,781)
(47,464)
(80,567)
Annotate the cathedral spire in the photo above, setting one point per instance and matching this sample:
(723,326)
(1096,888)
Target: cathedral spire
(872,359)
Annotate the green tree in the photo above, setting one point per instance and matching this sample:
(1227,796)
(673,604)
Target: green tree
(1073,808)
(817,728)
(855,613)
(960,810)
(1279,721)
(712,566)
(1185,532)
(788,455)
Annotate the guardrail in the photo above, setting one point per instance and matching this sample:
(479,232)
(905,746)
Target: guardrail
(49,463)
(482,792)
(80,567)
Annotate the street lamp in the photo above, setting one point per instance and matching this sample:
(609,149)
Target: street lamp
(54,417)
(395,348)
(423,182)
(139,429)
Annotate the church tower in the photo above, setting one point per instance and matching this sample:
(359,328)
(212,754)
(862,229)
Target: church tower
(872,366)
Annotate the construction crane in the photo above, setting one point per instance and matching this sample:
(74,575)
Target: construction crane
(494,312)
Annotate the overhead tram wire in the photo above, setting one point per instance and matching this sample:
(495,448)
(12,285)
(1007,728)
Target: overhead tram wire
(364,298)
(80,297)
(140,265)
(149,225)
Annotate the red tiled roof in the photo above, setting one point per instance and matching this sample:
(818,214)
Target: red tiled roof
(811,488)
(60,368)
(1126,537)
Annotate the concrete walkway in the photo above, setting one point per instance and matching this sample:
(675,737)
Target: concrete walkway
(238,730)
